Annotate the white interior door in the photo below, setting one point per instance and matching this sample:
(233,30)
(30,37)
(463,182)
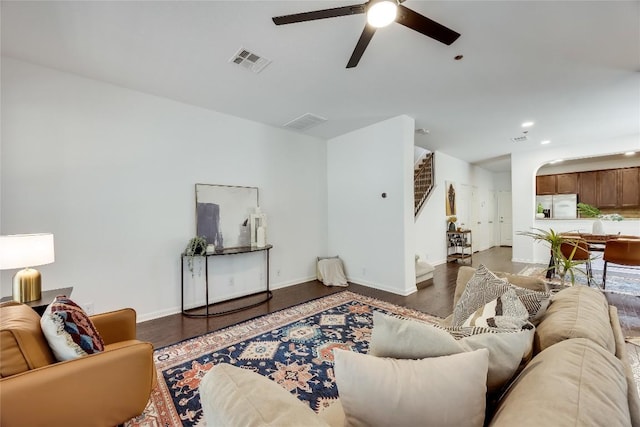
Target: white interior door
(505,220)
(486,216)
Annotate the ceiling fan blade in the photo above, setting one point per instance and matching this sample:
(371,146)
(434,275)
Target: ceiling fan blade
(319,14)
(363,42)
(426,26)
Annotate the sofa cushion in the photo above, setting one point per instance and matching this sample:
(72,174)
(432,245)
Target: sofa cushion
(484,286)
(232,396)
(69,331)
(576,312)
(23,346)
(410,339)
(376,391)
(573,383)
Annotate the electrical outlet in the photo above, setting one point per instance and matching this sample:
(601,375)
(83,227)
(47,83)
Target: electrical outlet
(89,308)
(364,271)
(231,281)
(278,273)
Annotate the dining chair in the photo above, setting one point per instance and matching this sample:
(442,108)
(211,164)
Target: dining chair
(621,252)
(578,250)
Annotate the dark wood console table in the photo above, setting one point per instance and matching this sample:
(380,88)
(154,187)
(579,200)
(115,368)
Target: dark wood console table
(40,305)
(229,251)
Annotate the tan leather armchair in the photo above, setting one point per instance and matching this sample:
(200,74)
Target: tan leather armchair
(103,389)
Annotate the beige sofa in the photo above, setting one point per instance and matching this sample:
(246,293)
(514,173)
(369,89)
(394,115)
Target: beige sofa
(579,375)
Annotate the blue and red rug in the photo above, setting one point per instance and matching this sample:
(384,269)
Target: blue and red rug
(292,347)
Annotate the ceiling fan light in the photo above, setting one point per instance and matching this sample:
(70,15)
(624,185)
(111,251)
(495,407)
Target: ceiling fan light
(382,13)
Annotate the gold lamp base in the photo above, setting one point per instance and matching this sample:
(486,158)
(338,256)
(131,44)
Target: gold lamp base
(27,285)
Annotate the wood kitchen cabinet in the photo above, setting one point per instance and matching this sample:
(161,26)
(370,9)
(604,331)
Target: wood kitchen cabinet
(587,188)
(630,187)
(608,189)
(567,183)
(545,185)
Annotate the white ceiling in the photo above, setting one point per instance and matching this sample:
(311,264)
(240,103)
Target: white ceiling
(573,67)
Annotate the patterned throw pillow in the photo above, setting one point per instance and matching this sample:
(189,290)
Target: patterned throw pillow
(535,302)
(69,331)
(506,312)
(485,287)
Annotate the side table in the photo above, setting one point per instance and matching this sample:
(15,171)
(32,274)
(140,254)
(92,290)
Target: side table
(39,306)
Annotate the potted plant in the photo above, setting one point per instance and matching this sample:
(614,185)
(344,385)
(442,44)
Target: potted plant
(558,262)
(197,246)
(540,211)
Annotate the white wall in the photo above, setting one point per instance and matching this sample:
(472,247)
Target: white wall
(111,173)
(524,166)
(373,235)
(431,224)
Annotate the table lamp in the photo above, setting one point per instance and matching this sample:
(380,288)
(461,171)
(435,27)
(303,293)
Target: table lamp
(26,251)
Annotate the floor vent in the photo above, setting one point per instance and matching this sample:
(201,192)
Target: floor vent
(305,122)
(249,60)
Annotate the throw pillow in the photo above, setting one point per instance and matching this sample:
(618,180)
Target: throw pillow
(484,286)
(232,396)
(69,331)
(506,312)
(377,391)
(411,339)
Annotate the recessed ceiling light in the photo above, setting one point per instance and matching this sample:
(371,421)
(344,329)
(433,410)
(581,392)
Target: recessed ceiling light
(545,142)
(629,153)
(458,57)
(527,124)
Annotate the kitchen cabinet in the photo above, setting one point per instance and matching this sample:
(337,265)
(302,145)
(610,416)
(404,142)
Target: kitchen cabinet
(630,187)
(587,188)
(607,189)
(545,185)
(567,183)
(604,189)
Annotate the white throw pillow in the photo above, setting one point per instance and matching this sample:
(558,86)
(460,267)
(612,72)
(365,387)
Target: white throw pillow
(232,396)
(411,339)
(440,391)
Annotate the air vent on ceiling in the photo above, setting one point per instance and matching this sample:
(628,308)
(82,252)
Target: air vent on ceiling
(249,60)
(521,138)
(305,122)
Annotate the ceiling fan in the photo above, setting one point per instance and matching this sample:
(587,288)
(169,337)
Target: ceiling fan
(380,13)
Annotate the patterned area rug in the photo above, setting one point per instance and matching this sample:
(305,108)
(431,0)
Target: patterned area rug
(619,279)
(292,347)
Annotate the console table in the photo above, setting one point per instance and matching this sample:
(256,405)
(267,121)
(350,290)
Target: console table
(224,252)
(40,305)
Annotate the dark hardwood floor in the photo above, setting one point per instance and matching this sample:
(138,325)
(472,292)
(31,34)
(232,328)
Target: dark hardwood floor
(434,296)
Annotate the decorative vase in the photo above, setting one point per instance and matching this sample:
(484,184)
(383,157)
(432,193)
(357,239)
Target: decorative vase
(540,215)
(452,226)
(598,227)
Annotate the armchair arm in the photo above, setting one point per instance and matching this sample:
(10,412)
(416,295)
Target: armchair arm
(103,389)
(115,326)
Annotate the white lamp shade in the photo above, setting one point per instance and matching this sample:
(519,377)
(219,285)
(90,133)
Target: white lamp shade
(382,13)
(26,250)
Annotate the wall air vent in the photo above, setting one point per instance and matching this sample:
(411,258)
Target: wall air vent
(521,138)
(305,121)
(249,60)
